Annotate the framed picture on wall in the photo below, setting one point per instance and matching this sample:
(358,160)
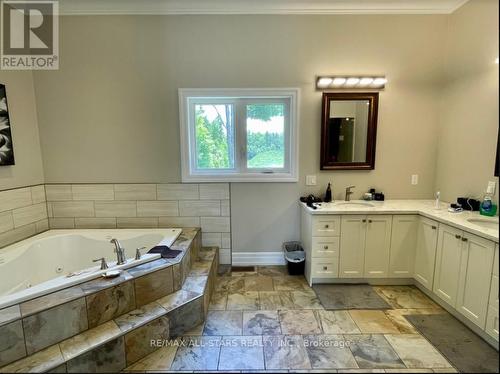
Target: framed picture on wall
(6,146)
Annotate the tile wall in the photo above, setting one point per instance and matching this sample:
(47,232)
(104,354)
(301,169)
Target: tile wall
(144,206)
(23,213)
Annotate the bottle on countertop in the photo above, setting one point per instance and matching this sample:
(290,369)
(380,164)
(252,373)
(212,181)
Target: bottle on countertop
(328,194)
(487,208)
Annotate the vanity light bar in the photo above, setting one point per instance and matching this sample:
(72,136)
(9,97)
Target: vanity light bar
(343,82)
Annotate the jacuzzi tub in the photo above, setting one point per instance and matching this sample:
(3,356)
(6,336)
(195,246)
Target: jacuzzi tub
(57,259)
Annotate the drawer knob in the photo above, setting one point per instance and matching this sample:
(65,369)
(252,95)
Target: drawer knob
(457,236)
(370,221)
(325,267)
(327,226)
(434,227)
(325,247)
(464,239)
(363,221)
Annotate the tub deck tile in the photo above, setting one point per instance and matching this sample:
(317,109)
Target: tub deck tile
(51,300)
(9,314)
(110,303)
(148,267)
(140,316)
(12,346)
(99,284)
(54,325)
(176,299)
(39,362)
(88,340)
(153,286)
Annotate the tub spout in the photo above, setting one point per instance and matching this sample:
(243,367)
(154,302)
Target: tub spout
(120,252)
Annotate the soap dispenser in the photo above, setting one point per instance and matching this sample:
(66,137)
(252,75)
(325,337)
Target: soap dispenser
(487,208)
(328,194)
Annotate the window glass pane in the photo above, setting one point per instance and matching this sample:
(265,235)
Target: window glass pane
(214,136)
(265,136)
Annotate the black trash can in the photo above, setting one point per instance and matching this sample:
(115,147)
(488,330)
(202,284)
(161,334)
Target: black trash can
(295,257)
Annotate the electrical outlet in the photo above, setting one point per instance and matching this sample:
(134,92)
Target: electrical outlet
(414,179)
(310,180)
(491,187)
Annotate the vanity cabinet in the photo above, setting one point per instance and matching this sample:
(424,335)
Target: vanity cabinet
(365,246)
(460,269)
(492,316)
(475,278)
(403,242)
(448,255)
(377,246)
(425,253)
(321,242)
(352,246)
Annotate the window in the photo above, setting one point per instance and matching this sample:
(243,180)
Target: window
(239,135)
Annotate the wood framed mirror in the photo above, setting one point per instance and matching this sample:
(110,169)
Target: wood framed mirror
(348,130)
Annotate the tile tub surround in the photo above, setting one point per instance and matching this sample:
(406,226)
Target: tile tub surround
(205,205)
(23,213)
(122,341)
(54,317)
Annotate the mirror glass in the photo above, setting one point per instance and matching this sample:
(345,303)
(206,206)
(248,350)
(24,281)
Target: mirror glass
(348,130)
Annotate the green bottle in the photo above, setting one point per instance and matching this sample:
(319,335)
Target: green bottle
(487,208)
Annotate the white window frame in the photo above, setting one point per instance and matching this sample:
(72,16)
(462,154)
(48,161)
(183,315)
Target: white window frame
(188,97)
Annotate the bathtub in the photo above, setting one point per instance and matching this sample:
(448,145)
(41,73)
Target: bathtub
(57,259)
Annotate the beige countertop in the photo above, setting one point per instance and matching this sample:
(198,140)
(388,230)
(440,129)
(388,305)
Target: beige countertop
(424,208)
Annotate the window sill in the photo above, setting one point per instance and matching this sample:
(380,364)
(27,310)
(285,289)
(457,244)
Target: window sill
(242,178)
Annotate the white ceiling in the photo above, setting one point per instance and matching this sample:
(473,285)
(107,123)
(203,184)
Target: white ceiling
(84,7)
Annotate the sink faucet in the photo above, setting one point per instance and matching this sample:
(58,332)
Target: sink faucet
(120,252)
(348,193)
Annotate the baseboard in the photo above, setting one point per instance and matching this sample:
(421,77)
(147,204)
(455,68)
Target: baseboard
(258,258)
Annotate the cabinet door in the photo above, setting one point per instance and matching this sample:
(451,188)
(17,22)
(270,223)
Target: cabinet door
(352,246)
(377,246)
(448,264)
(425,254)
(475,276)
(494,282)
(403,243)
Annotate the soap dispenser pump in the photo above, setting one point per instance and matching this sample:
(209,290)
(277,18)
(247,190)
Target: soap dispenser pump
(328,194)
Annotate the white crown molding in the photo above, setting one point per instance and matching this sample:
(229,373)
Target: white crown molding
(173,7)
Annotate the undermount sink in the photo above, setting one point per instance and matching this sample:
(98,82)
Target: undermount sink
(355,204)
(491,223)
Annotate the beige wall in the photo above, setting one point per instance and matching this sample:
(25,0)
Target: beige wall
(110,114)
(22,111)
(469,110)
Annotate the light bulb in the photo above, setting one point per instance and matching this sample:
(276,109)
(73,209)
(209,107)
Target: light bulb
(339,81)
(379,81)
(352,81)
(365,81)
(324,82)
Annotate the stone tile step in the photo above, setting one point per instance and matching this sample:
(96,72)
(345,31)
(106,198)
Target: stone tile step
(130,334)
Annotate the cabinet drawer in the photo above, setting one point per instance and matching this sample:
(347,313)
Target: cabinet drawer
(325,268)
(325,247)
(326,226)
(492,322)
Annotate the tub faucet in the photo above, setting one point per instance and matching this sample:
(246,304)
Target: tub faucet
(348,193)
(120,252)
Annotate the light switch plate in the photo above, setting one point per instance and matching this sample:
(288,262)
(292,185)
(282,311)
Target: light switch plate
(491,187)
(310,180)
(414,179)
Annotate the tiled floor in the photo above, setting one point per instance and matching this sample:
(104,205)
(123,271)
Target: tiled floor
(267,320)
